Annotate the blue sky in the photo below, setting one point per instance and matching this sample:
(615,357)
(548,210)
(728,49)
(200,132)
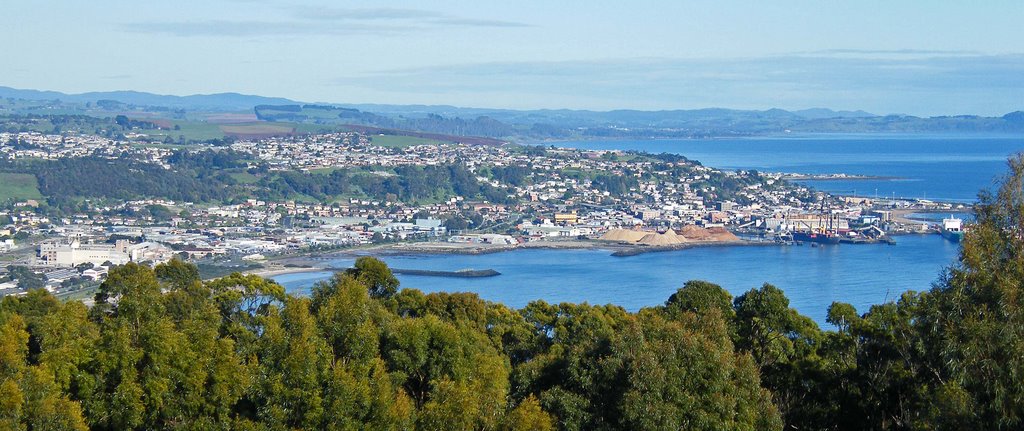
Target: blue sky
(913,57)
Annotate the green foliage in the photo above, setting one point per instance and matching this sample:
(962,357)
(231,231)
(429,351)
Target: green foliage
(68,179)
(701,298)
(163,349)
(27,279)
(18,187)
(218,176)
(375,275)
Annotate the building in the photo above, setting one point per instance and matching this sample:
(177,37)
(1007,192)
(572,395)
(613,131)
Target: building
(567,218)
(649,214)
(149,251)
(805,223)
(487,238)
(67,254)
(545,231)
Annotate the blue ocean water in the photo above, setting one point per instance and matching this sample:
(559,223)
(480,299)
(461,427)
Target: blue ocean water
(812,277)
(949,168)
(942,168)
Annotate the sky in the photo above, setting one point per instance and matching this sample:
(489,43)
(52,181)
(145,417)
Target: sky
(908,57)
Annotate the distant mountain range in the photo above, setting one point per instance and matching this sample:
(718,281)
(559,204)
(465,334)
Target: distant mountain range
(203,102)
(538,124)
(236,101)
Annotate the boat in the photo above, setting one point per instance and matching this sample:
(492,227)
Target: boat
(819,237)
(824,232)
(783,237)
(952,229)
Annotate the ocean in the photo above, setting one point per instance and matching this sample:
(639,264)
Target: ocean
(940,168)
(812,277)
(946,168)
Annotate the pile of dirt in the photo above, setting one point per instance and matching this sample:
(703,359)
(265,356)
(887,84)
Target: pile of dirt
(689,233)
(623,235)
(697,233)
(662,239)
(721,234)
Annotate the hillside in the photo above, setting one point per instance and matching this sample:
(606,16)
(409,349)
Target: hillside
(501,123)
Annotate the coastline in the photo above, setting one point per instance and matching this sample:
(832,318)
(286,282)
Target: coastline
(320,262)
(839,177)
(292,264)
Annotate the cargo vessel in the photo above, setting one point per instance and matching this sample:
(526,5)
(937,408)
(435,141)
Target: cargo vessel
(952,229)
(825,231)
(820,237)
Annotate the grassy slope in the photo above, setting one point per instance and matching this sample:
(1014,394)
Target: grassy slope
(18,187)
(395,141)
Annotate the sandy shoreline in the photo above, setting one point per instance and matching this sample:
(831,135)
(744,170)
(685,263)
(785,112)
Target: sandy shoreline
(315,263)
(275,271)
(319,262)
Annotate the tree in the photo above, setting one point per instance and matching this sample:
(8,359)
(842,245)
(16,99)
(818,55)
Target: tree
(29,397)
(972,324)
(178,274)
(783,344)
(160,213)
(527,416)
(703,384)
(375,275)
(700,298)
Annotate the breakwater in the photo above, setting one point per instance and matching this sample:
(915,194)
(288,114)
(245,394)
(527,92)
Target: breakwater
(465,273)
(812,277)
(462,273)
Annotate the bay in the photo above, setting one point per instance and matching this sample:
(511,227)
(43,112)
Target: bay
(812,277)
(941,168)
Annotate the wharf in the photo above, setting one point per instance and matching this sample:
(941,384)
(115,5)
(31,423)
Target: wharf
(462,273)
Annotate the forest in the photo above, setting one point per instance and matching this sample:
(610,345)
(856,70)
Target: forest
(206,177)
(163,349)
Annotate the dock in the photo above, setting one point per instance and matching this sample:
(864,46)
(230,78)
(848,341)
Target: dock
(462,273)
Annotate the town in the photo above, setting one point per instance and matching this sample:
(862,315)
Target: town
(408,194)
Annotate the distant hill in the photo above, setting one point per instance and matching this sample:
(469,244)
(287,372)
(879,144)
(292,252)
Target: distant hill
(576,124)
(198,102)
(527,125)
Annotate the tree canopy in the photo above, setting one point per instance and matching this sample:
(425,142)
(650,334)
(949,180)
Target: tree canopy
(163,349)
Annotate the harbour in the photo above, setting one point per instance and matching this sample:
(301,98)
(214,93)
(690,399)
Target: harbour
(812,277)
(860,271)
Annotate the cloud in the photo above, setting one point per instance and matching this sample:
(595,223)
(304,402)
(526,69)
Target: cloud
(472,22)
(313,20)
(330,13)
(932,85)
(423,17)
(895,52)
(221,28)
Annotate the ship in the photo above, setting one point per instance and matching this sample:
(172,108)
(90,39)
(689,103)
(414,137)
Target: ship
(819,237)
(952,229)
(823,232)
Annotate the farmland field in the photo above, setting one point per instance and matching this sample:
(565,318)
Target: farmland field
(244,177)
(257,129)
(18,187)
(189,130)
(396,141)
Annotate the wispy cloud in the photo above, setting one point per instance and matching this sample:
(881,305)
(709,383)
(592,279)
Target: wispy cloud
(222,28)
(421,17)
(474,22)
(318,20)
(894,52)
(332,13)
(936,84)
